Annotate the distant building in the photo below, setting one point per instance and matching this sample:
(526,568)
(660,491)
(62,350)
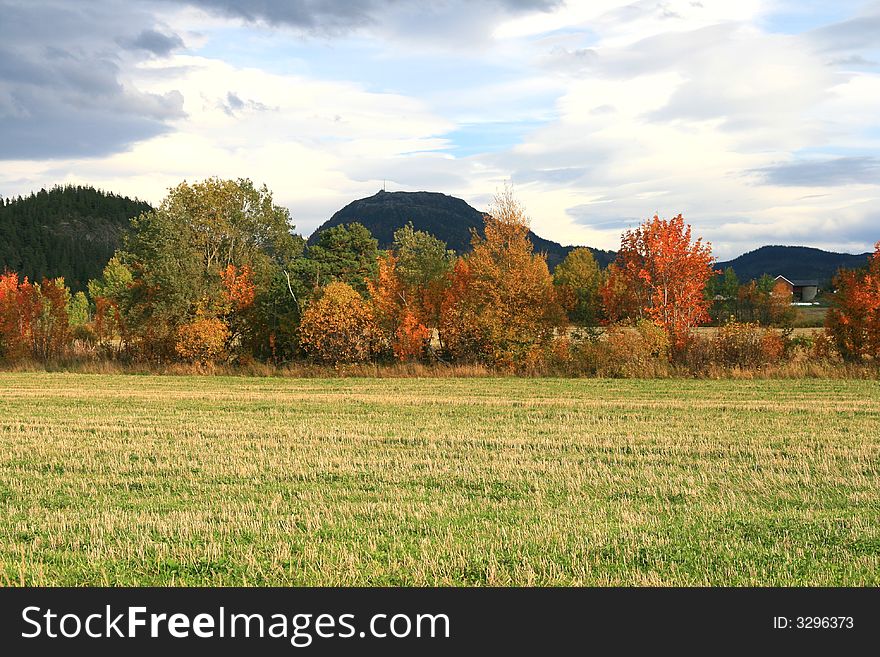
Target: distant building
(801,290)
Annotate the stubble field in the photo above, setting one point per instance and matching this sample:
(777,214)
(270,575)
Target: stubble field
(160,480)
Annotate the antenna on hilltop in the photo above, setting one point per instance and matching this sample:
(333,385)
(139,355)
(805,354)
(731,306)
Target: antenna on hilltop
(383,184)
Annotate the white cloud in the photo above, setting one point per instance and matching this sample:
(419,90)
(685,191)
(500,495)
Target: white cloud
(293,133)
(642,107)
(677,121)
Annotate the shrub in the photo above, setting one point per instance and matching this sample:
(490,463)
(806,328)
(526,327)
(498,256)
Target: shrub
(823,348)
(773,347)
(624,351)
(747,345)
(737,344)
(202,341)
(84,333)
(698,354)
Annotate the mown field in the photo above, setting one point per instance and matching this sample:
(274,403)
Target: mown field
(152,480)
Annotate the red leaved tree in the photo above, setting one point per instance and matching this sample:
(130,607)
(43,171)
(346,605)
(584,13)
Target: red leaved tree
(33,318)
(660,274)
(853,321)
(14,328)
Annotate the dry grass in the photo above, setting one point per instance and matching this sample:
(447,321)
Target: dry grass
(255,481)
(796,368)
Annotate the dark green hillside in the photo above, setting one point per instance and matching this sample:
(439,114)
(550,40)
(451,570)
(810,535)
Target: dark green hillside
(446,217)
(793,262)
(67,231)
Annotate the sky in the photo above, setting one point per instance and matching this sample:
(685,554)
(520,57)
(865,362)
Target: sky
(758,121)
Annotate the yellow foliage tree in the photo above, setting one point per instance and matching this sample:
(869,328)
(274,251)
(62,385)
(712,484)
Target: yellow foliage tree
(507,303)
(339,327)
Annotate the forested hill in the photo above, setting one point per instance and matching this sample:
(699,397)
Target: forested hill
(66,231)
(446,217)
(793,262)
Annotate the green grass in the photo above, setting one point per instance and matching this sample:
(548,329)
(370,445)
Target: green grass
(149,480)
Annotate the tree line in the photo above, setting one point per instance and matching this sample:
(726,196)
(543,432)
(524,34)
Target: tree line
(216,274)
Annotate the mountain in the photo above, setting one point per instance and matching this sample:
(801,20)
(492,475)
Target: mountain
(66,231)
(446,217)
(793,262)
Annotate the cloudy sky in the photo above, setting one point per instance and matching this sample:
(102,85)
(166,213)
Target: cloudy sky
(759,121)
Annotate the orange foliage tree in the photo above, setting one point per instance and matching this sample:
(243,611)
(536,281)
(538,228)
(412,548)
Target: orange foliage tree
(236,305)
(14,329)
(660,274)
(501,302)
(238,286)
(461,333)
(394,313)
(853,321)
(338,327)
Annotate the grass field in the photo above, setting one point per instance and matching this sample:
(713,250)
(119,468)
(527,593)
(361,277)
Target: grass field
(151,480)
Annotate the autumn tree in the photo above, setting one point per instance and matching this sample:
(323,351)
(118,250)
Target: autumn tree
(109,293)
(395,310)
(50,325)
(238,287)
(502,302)
(33,318)
(661,274)
(14,327)
(462,333)
(338,327)
(408,289)
(853,321)
(235,310)
(577,281)
(203,340)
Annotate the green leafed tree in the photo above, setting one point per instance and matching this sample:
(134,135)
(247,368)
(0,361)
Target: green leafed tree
(423,266)
(421,258)
(114,281)
(723,290)
(577,278)
(78,309)
(346,253)
(176,254)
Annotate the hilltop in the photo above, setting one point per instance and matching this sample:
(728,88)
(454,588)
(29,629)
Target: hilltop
(68,231)
(446,217)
